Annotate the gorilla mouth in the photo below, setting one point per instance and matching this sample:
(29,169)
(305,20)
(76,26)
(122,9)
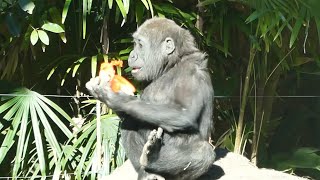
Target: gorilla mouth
(135,69)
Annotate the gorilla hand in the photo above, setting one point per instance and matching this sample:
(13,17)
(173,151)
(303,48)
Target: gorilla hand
(100,89)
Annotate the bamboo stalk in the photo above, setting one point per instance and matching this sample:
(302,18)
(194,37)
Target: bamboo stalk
(98,147)
(239,130)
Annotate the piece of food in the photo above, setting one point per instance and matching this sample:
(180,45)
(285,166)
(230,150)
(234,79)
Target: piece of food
(117,82)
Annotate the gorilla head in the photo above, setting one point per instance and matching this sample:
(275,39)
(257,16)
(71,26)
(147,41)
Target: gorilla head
(158,45)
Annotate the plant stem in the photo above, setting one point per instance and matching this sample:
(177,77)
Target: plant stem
(238,140)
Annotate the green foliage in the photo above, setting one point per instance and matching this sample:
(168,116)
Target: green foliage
(57,46)
(29,118)
(305,158)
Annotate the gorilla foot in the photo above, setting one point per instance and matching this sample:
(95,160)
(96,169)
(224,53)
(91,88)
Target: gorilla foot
(153,177)
(154,138)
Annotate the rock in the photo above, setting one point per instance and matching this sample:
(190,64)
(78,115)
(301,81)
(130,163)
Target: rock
(228,166)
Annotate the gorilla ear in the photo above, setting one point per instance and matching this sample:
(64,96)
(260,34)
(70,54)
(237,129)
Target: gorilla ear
(169,45)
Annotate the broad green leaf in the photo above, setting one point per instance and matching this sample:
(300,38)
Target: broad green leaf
(14,109)
(151,8)
(126,4)
(110,2)
(84,18)
(53,116)
(91,164)
(38,139)
(295,32)
(64,77)
(145,3)
(63,37)
(50,136)
(86,130)
(56,18)
(125,51)
(65,10)
(93,66)
(89,6)
(22,136)
(52,27)
(87,149)
(9,138)
(43,47)
(76,67)
(27,5)
(7,105)
(51,72)
(255,15)
(121,8)
(43,37)
(34,37)
(139,12)
(298,61)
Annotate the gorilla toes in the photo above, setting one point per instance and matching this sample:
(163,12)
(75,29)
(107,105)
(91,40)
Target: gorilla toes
(154,139)
(154,177)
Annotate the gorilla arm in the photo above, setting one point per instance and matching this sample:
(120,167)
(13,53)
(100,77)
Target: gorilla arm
(182,114)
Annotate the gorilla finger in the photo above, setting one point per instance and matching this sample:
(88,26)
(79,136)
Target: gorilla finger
(89,86)
(159,132)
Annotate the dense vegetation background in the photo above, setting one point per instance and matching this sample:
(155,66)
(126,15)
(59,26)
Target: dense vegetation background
(264,61)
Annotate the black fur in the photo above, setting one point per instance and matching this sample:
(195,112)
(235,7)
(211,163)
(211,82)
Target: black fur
(178,99)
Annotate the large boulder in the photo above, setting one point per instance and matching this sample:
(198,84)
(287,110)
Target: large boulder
(228,166)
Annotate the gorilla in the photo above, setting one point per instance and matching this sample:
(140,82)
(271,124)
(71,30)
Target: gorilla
(165,131)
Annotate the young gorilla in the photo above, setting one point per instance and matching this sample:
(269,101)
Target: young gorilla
(178,99)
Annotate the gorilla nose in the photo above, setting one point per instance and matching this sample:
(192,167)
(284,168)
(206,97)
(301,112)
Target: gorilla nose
(133,56)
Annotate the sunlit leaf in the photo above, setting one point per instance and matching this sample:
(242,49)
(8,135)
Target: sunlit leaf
(145,3)
(43,37)
(21,141)
(84,18)
(151,8)
(34,37)
(255,15)
(121,8)
(110,3)
(56,18)
(295,31)
(93,66)
(65,10)
(38,139)
(52,27)
(126,4)
(43,47)
(87,149)
(89,6)
(9,138)
(51,72)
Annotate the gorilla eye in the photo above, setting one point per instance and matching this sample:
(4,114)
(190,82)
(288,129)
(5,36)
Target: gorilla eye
(137,43)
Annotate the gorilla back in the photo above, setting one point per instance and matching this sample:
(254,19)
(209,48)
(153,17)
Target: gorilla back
(179,99)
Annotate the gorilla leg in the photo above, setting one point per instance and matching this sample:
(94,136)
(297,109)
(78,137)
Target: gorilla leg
(190,161)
